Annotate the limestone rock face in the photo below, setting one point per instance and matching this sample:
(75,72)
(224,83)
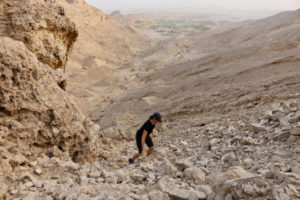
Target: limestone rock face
(36,114)
(42,26)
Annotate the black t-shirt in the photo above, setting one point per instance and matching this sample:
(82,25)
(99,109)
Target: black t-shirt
(147,126)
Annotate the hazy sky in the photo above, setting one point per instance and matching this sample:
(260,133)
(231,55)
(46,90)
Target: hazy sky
(257,5)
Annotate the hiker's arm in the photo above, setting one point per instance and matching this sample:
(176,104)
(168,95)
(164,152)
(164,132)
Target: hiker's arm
(143,140)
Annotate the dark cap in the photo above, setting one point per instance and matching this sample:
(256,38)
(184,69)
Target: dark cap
(157,116)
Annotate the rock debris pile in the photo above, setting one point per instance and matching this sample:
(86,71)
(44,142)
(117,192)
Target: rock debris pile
(253,159)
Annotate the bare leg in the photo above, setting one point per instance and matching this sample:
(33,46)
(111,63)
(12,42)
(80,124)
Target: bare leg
(149,152)
(135,156)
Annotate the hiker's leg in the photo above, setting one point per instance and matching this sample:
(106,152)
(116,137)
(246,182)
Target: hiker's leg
(149,152)
(150,144)
(140,148)
(135,156)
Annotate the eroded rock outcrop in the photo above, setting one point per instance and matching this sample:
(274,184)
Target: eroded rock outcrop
(37,117)
(35,112)
(42,27)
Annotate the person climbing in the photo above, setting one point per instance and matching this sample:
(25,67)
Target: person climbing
(143,137)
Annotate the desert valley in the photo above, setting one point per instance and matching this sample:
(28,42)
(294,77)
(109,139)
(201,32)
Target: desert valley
(77,83)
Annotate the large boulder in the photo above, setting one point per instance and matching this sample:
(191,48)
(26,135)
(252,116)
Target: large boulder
(34,110)
(37,116)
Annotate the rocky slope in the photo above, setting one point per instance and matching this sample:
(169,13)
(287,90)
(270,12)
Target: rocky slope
(218,72)
(238,159)
(230,98)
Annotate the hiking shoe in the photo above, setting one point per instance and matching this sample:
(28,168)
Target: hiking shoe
(130,161)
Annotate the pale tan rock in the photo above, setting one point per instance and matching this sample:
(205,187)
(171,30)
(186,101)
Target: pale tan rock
(83,197)
(106,174)
(18,160)
(45,31)
(213,142)
(282,135)
(257,127)
(248,141)
(96,174)
(28,184)
(161,127)
(112,180)
(183,164)
(68,165)
(207,189)
(156,194)
(121,175)
(4,186)
(228,158)
(83,180)
(137,176)
(5,167)
(46,198)
(252,186)
(228,197)
(195,174)
(113,133)
(33,163)
(145,196)
(282,153)
(129,134)
(38,171)
(231,174)
(59,153)
(134,196)
(31,196)
(181,194)
(168,169)
(166,184)
(295,131)
(147,167)
(184,143)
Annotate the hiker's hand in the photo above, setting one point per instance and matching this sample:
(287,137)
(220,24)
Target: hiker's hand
(144,153)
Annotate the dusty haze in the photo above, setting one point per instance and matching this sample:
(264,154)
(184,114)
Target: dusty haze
(256,6)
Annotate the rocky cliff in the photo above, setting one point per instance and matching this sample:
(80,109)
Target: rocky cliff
(37,117)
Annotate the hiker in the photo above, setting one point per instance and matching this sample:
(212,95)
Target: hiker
(143,137)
